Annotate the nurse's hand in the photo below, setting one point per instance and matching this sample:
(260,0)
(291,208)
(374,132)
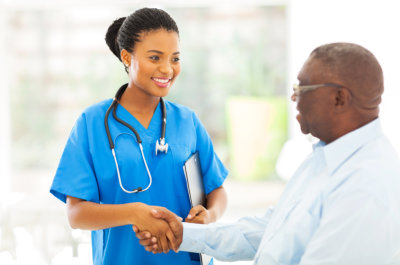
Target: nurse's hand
(149,241)
(145,221)
(200,215)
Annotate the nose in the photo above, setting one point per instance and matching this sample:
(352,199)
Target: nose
(166,68)
(293,97)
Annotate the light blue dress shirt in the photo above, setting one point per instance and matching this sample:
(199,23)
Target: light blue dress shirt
(342,207)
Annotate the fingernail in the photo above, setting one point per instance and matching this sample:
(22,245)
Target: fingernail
(154,240)
(189,216)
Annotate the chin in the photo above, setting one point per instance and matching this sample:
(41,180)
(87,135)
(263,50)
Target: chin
(303,127)
(304,130)
(160,92)
(163,94)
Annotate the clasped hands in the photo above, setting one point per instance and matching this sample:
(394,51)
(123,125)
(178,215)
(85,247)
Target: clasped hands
(160,230)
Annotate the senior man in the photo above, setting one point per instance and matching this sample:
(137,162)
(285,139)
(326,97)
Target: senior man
(342,206)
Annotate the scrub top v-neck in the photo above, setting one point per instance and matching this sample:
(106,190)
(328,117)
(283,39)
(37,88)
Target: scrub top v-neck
(87,171)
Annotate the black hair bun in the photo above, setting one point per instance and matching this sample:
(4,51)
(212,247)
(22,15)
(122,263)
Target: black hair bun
(112,34)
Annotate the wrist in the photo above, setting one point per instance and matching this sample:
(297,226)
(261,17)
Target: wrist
(212,214)
(135,210)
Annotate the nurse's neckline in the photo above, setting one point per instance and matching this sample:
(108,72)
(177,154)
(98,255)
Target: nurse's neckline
(145,124)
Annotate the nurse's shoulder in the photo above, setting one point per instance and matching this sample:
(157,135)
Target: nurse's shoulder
(98,109)
(180,113)
(95,113)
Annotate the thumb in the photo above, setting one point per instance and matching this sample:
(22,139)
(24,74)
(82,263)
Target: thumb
(195,211)
(173,220)
(164,214)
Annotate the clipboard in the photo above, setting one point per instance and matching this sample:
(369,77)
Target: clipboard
(195,187)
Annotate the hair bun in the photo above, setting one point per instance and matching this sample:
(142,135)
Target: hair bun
(112,34)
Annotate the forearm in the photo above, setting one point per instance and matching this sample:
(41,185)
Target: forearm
(94,216)
(228,242)
(216,203)
(235,241)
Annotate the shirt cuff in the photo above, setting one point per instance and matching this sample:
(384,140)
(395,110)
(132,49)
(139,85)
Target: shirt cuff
(193,237)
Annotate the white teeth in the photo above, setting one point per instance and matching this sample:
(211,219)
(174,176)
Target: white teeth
(161,80)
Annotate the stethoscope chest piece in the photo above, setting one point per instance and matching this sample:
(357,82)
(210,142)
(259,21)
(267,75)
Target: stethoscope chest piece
(161,146)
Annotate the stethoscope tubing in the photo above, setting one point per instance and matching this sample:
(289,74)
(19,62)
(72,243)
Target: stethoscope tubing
(119,174)
(163,148)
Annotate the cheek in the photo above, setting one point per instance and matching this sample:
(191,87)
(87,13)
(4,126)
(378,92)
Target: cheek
(146,68)
(140,68)
(302,106)
(177,69)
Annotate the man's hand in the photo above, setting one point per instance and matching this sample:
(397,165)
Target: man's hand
(198,214)
(148,239)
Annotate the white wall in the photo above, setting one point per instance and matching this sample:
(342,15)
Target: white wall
(374,24)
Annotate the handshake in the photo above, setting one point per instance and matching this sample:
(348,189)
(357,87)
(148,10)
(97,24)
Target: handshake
(160,230)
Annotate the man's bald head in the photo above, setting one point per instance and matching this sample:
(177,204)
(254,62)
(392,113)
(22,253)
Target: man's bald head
(354,67)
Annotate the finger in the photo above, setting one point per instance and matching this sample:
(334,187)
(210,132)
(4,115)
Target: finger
(164,244)
(195,211)
(162,213)
(177,230)
(194,220)
(146,242)
(192,213)
(149,249)
(171,240)
(135,229)
(156,249)
(153,248)
(143,235)
(200,218)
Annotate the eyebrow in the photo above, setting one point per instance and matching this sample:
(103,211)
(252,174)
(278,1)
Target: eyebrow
(160,52)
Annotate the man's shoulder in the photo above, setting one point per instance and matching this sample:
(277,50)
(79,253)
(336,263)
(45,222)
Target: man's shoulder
(374,169)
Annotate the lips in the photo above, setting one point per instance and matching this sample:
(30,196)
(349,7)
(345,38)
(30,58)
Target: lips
(161,81)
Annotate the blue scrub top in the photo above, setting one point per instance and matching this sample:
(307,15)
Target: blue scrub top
(87,171)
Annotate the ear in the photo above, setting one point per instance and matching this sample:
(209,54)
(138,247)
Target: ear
(125,57)
(342,99)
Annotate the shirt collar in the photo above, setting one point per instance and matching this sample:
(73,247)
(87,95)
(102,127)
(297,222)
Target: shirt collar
(339,150)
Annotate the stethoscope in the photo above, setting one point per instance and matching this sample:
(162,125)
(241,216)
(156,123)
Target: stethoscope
(160,146)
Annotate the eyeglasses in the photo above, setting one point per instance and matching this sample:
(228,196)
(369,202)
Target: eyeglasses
(301,89)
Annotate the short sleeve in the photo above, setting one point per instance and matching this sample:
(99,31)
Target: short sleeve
(214,172)
(75,174)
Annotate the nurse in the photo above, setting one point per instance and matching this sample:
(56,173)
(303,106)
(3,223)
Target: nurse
(91,182)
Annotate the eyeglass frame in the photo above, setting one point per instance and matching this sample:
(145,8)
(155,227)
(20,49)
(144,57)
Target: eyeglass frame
(297,89)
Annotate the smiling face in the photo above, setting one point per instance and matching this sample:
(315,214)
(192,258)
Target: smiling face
(154,63)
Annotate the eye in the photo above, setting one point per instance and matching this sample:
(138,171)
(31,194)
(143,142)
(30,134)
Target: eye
(176,59)
(154,58)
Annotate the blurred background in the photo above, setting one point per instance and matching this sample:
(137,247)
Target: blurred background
(239,59)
